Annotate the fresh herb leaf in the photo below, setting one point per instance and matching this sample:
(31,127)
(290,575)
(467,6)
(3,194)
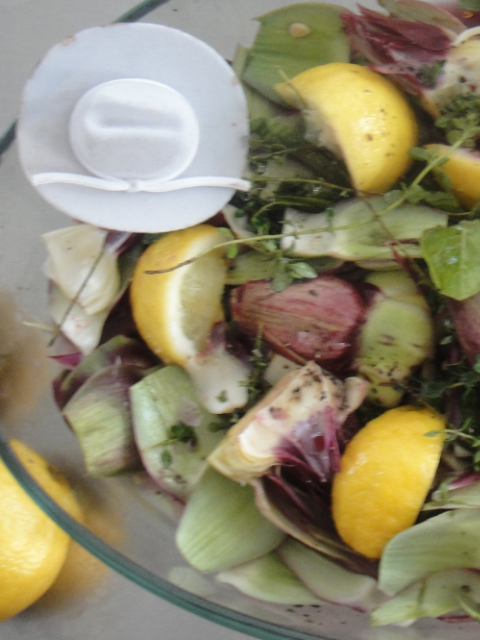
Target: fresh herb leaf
(300,270)
(461,114)
(183,433)
(429,73)
(166,458)
(453,258)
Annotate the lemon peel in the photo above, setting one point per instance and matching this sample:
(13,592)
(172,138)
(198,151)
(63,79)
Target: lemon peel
(386,472)
(462,167)
(32,547)
(176,310)
(360,116)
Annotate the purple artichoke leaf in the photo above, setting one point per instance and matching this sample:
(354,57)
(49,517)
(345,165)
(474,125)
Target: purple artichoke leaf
(119,242)
(120,350)
(99,414)
(466,320)
(426,12)
(407,50)
(312,525)
(68,360)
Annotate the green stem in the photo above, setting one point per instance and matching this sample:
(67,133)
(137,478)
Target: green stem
(432,164)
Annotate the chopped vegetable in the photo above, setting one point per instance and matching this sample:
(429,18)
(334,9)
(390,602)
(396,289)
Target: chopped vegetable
(269,579)
(355,482)
(291,40)
(221,527)
(172,430)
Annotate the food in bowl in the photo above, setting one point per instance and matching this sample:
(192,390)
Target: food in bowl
(301,371)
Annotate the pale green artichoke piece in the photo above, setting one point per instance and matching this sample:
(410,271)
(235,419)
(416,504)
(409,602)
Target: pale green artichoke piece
(467,497)
(439,594)
(269,579)
(397,337)
(164,403)
(328,579)
(81,266)
(447,541)
(100,416)
(358,230)
(221,527)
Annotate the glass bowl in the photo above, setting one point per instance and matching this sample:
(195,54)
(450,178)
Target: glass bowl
(128,526)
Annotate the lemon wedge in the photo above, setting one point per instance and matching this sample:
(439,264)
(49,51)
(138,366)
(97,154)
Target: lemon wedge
(463,169)
(386,472)
(178,313)
(360,116)
(32,547)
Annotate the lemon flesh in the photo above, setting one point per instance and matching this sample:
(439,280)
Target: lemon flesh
(360,116)
(32,547)
(175,311)
(386,472)
(463,170)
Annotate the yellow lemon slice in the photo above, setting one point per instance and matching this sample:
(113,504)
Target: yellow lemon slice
(32,547)
(175,311)
(463,169)
(386,472)
(360,116)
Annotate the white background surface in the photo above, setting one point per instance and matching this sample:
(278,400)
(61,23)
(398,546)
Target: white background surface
(28,28)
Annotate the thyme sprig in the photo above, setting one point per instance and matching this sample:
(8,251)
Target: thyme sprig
(433,160)
(456,382)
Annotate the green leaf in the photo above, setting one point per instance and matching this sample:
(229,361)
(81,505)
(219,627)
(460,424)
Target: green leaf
(444,180)
(301,270)
(415,194)
(453,258)
(232,252)
(419,153)
(281,280)
(442,200)
(279,45)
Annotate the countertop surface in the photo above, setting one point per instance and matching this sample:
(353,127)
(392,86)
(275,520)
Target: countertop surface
(28,28)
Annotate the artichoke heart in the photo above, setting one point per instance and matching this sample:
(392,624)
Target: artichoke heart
(305,408)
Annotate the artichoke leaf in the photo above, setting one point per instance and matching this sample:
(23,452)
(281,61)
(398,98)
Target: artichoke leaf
(447,541)
(269,579)
(163,401)
(81,266)
(387,357)
(437,595)
(358,230)
(294,38)
(314,529)
(221,527)
(303,404)
(329,580)
(100,416)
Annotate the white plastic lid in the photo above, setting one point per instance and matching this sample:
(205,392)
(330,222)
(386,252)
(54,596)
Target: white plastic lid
(136,127)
